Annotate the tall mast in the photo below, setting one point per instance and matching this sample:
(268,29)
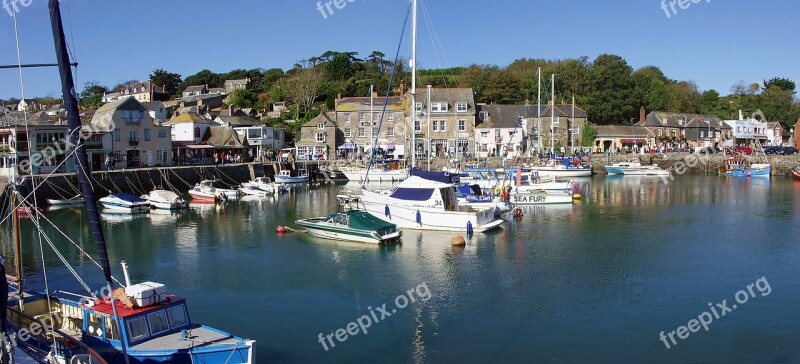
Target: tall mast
(539,111)
(413,83)
(571,124)
(371,120)
(428,121)
(74,129)
(552,113)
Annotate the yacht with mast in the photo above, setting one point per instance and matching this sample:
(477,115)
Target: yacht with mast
(132,323)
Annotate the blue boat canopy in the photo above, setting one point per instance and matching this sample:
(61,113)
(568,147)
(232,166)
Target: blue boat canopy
(443,177)
(413,194)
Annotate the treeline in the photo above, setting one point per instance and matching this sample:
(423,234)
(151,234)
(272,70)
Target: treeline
(609,89)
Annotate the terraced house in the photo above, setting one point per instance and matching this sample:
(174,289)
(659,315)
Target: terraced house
(359,120)
(444,121)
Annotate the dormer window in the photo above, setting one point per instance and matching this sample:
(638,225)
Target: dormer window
(439,107)
(419,107)
(461,106)
(321,126)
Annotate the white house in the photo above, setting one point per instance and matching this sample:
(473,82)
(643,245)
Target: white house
(263,138)
(501,130)
(747,131)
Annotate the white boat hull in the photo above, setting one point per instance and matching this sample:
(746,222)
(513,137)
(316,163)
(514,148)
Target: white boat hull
(428,218)
(70,202)
(523,199)
(376,176)
(562,173)
(136,209)
(291,180)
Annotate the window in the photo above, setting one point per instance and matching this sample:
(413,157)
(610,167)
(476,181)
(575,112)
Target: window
(146,134)
(347,118)
(162,133)
(111,329)
(418,107)
(177,316)
(462,125)
(361,117)
(347,133)
(390,117)
(116,135)
(660,132)
(137,329)
(132,135)
(417,126)
(376,117)
(390,132)
(461,106)
(158,322)
(361,132)
(118,156)
(254,133)
(702,134)
(197,132)
(320,137)
(439,107)
(321,126)
(484,134)
(132,116)
(374,133)
(442,126)
(276,134)
(484,115)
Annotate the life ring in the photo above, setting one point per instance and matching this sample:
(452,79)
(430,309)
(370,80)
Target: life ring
(498,190)
(517,212)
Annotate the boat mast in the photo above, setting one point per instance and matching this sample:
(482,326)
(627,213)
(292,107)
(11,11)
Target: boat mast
(539,111)
(428,121)
(552,114)
(74,129)
(371,123)
(413,83)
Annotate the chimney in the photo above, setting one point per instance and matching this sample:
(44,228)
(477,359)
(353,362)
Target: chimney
(402,87)
(741,114)
(338,97)
(642,115)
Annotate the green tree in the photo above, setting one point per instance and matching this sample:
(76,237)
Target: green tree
(777,105)
(92,95)
(588,134)
(242,99)
(783,83)
(610,97)
(169,80)
(503,88)
(204,77)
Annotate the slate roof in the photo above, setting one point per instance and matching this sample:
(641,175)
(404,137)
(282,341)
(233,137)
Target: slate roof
(449,95)
(622,131)
(237,120)
(504,116)
(326,117)
(198,88)
(682,120)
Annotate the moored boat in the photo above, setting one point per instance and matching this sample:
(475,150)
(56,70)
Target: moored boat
(428,203)
(541,198)
(353,225)
(220,188)
(653,170)
(124,202)
(796,171)
(565,167)
(286,176)
(254,191)
(266,184)
(166,200)
(741,167)
(616,168)
(76,200)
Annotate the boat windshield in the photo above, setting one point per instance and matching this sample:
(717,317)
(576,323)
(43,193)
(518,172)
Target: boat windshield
(156,322)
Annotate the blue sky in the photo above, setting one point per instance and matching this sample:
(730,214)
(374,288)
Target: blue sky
(714,43)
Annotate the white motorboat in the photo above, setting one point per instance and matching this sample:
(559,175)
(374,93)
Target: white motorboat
(266,184)
(616,168)
(375,175)
(653,170)
(76,200)
(541,198)
(166,200)
(219,188)
(254,191)
(427,204)
(205,194)
(124,202)
(285,176)
(567,167)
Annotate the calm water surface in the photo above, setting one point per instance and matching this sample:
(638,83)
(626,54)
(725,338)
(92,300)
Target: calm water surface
(593,282)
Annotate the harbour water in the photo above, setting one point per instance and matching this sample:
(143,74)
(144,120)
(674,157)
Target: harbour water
(594,282)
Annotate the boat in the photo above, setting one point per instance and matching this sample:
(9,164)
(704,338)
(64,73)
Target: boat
(427,201)
(473,195)
(616,168)
(230,193)
(353,225)
(124,202)
(76,200)
(166,200)
(129,323)
(796,171)
(497,179)
(285,176)
(266,184)
(541,198)
(383,171)
(254,191)
(564,167)
(741,167)
(652,170)
(205,194)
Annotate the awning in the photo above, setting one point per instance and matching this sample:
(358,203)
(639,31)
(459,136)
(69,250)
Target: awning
(347,146)
(632,141)
(200,146)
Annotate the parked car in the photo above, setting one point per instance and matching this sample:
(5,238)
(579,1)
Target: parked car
(788,151)
(773,150)
(744,150)
(708,150)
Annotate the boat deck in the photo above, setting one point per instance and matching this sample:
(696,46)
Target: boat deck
(198,337)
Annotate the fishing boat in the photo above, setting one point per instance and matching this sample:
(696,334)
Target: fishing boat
(427,201)
(353,225)
(741,167)
(266,184)
(166,200)
(566,167)
(286,176)
(130,323)
(75,200)
(124,202)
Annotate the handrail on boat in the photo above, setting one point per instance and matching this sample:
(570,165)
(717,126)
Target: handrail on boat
(87,350)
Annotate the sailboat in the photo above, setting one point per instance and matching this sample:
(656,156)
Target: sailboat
(427,200)
(134,323)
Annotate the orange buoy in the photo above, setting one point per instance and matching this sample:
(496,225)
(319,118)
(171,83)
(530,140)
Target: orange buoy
(282,229)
